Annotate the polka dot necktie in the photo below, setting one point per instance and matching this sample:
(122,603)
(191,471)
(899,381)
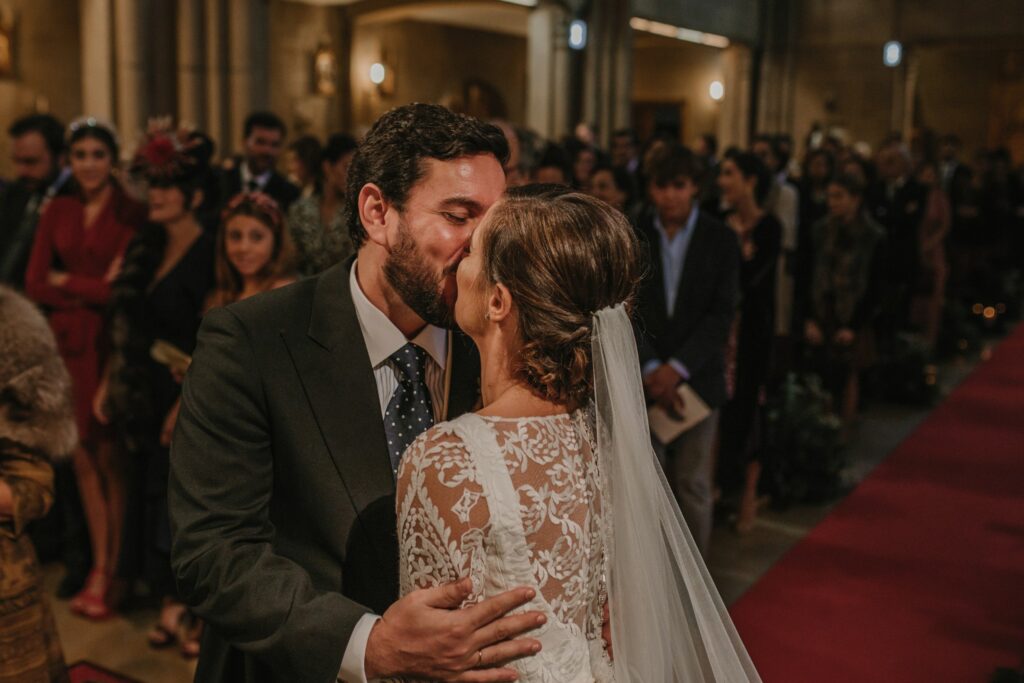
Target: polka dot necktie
(410,411)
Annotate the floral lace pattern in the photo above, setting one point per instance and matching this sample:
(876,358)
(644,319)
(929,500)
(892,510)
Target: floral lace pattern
(513,502)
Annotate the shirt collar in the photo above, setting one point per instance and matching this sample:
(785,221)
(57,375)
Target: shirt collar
(247,175)
(383,338)
(687,229)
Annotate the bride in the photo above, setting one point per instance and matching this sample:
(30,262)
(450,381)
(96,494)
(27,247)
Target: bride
(553,484)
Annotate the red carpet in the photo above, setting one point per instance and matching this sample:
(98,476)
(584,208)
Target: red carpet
(87,672)
(919,574)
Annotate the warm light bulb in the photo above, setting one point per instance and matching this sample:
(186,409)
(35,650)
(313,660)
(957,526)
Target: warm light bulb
(716,90)
(377,73)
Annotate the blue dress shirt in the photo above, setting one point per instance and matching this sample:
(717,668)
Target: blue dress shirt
(673,259)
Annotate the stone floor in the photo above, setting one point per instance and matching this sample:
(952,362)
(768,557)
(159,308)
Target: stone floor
(736,561)
(118,644)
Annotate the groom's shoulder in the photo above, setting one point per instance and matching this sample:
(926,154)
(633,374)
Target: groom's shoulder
(278,308)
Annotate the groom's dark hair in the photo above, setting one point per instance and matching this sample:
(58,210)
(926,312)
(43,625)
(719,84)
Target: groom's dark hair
(392,154)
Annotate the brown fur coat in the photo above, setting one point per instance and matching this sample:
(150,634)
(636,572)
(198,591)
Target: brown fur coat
(36,409)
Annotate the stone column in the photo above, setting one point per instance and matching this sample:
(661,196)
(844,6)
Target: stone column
(97,58)
(131,73)
(215,50)
(734,109)
(547,103)
(778,69)
(191,64)
(910,94)
(247,62)
(607,90)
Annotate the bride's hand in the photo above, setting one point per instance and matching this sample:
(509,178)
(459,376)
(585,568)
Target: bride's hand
(426,635)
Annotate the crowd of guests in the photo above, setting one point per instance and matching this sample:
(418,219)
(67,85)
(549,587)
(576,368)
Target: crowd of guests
(125,259)
(758,265)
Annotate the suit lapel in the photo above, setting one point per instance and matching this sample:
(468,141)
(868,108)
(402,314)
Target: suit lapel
(692,269)
(657,272)
(335,370)
(231,184)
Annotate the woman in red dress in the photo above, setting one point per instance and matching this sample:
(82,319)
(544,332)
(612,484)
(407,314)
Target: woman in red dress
(74,258)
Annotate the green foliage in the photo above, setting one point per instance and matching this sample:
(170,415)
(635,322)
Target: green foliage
(959,334)
(802,440)
(908,373)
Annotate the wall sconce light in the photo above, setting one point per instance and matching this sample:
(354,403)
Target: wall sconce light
(383,76)
(325,71)
(716,90)
(378,72)
(892,53)
(578,34)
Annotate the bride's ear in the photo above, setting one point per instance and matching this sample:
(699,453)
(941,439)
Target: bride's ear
(499,304)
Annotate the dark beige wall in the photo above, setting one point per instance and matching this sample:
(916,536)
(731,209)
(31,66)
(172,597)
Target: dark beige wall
(296,32)
(431,62)
(975,91)
(47,70)
(666,70)
(962,51)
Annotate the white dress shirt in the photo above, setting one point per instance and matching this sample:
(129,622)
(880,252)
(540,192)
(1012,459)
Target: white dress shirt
(246,176)
(382,339)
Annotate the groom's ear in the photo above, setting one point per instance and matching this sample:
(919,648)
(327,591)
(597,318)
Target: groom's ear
(499,305)
(373,213)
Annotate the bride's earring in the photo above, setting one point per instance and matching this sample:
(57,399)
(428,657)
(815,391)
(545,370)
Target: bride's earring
(487,316)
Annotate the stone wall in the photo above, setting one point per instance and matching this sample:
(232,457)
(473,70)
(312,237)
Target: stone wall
(297,31)
(961,55)
(666,70)
(47,73)
(432,63)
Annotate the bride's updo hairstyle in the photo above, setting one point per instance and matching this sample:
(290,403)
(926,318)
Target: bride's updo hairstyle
(563,256)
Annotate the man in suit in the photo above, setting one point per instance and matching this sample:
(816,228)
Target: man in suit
(897,202)
(283,465)
(37,152)
(256,171)
(687,306)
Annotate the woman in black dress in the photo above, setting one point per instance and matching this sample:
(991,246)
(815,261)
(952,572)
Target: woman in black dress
(745,183)
(159,296)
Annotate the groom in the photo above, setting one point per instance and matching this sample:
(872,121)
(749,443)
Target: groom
(294,413)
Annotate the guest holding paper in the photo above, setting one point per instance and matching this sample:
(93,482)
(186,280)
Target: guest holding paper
(158,297)
(687,305)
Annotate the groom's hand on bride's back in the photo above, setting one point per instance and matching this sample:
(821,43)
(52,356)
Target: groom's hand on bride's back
(426,635)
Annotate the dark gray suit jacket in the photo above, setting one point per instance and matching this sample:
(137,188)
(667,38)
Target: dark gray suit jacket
(281,491)
(697,331)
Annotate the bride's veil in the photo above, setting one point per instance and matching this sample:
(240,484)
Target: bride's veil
(668,622)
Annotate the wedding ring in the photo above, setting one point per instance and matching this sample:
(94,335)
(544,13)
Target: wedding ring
(479,658)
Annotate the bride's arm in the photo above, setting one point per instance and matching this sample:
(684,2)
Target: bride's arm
(442,514)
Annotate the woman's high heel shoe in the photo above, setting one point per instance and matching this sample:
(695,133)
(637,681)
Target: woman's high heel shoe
(98,599)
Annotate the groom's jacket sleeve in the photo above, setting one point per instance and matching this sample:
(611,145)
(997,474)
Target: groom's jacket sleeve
(223,556)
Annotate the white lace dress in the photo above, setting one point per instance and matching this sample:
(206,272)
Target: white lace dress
(514,502)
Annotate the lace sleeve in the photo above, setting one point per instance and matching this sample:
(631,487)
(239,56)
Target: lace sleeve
(443,518)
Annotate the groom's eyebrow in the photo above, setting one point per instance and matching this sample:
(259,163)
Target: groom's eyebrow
(462,202)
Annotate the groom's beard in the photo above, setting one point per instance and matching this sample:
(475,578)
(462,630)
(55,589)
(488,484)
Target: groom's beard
(419,287)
